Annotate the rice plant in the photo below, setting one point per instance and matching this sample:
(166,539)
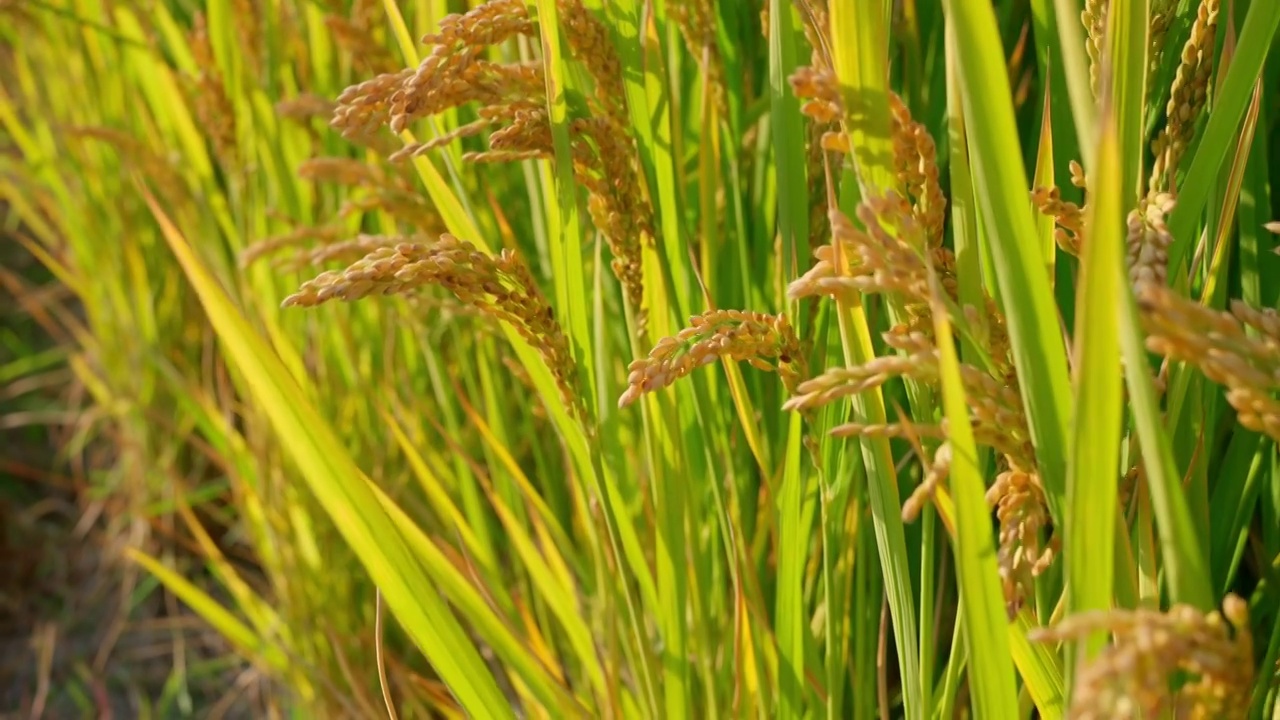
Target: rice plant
(587,358)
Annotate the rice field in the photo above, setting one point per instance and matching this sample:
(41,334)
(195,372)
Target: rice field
(666,359)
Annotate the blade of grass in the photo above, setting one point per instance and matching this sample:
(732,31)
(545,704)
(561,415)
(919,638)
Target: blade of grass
(859,52)
(563,225)
(991,679)
(213,613)
(1038,349)
(786,125)
(1185,567)
(1071,54)
(1044,177)
(1232,98)
(341,488)
(1093,466)
(794,521)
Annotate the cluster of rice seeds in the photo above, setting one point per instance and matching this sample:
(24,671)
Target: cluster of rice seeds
(935,473)
(1162,14)
(1148,239)
(1022,555)
(887,258)
(363,109)
(513,113)
(1239,349)
(823,113)
(1067,216)
(449,81)
(615,200)
(816,169)
(916,158)
(818,88)
(208,95)
(498,285)
(767,342)
(917,359)
(874,260)
(914,151)
(1187,97)
(1212,653)
(1094,19)
(591,44)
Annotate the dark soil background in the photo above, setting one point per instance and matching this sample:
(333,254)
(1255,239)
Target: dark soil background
(83,632)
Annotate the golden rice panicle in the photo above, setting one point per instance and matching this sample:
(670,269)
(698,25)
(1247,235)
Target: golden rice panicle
(1162,14)
(1148,240)
(816,172)
(453,73)
(998,422)
(916,158)
(1068,216)
(365,108)
(818,89)
(603,164)
(486,24)
(995,407)
(1239,350)
(873,260)
(1094,19)
(767,342)
(512,99)
(1187,97)
(378,273)
(888,257)
(936,472)
(1021,554)
(1131,677)
(917,359)
(497,285)
(616,201)
(445,81)
(591,44)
